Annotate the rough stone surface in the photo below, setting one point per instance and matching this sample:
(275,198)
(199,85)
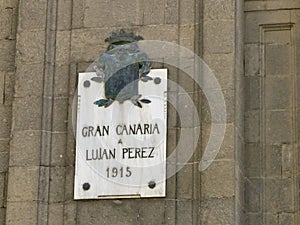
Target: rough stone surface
(253,180)
(215,182)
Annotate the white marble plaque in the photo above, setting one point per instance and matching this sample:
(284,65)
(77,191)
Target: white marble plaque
(121,149)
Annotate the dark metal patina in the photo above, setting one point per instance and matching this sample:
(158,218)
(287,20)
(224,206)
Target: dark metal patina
(121,67)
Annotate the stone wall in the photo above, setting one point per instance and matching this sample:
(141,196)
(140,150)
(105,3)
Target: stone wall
(254,179)
(272,108)
(8,18)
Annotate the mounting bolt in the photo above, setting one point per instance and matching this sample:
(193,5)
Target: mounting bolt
(157,80)
(86,83)
(86,186)
(151,184)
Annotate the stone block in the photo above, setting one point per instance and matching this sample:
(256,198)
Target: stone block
(70,148)
(9,88)
(254,19)
(2,87)
(253,218)
(8,4)
(278,37)
(87,44)
(222,69)
(63,39)
(30,47)
(252,93)
(240,191)
(252,64)
(170,212)
(2,190)
(157,64)
(218,180)
(279,195)
(33,14)
(23,184)
(186,82)
(60,114)
(83,67)
(219,10)
(287,219)
(186,146)
(118,212)
(4,144)
(28,113)
(273,160)
(4,159)
(73,79)
(153,12)
(171,11)
(253,194)
(44,186)
(57,184)
(166,32)
(187,36)
(240,217)
(56,214)
(7,55)
(172,114)
(240,153)
(297,77)
(6,15)
(172,141)
(252,126)
(25,148)
(64,14)
(69,183)
(29,80)
(172,77)
(226,150)
(152,212)
(214,107)
(187,111)
(58,149)
(171,187)
(217,211)
(5,121)
(70,212)
(111,13)
(184,212)
(278,92)
(287,160)
(270,218)
(278,127)
(187,10)
(253,160)
(218,37)
(61,80)
(185,183)
(278,60)
(2,216)
(77,14)
(20,213)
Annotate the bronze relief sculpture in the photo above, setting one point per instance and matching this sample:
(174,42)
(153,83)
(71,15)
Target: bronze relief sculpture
(121,67)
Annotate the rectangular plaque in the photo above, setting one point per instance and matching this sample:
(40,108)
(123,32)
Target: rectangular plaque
(121,146)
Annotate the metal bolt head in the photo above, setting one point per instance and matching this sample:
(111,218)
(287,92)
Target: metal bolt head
(86,186)
(157,80)
(151,184)
(86,83)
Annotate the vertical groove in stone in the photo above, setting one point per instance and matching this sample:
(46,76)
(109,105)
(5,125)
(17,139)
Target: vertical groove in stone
(239,112)
(47,113)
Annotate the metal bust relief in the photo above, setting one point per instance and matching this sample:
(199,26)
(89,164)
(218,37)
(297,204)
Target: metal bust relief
(121,68)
